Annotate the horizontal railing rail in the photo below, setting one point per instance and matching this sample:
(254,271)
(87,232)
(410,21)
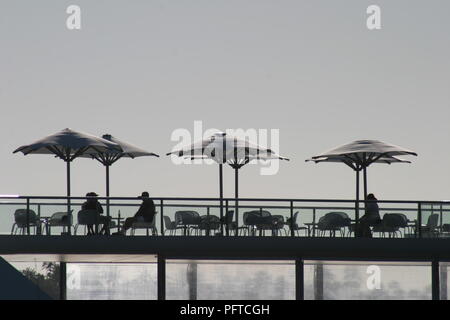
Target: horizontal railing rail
(443,202)
(181,205)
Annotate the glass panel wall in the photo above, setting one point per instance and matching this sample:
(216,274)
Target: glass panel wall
(7,222)
(347,280)
(230,280)
(111,281)
(237,279)
(46,275)
(444,280)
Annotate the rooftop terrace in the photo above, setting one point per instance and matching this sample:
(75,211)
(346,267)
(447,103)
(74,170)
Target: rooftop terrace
(290,230)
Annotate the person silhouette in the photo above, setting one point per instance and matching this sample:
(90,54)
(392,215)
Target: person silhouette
(92,203)
(371,217)
(145,213)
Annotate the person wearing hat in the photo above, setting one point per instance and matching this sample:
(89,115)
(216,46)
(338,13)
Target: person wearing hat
(145,213)
(370,219)
(92,203)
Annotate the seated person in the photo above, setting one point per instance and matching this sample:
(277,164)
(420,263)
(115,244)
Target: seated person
(370,218)
(145,213)
(92,203)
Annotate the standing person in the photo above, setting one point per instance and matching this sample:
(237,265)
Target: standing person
(92,203)
(370,218)
(145,213)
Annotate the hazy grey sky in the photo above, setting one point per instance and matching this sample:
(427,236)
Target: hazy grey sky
(141,69)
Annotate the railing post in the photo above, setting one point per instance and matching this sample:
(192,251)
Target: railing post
(162,217)
(419,218)
(38,226)
(28,216)
(260,229)
(292,219)
(226,220)
(118,221)
(314,223)
(208,221)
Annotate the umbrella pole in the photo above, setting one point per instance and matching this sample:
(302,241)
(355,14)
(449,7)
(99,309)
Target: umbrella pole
(68,190)
(68,178)
(221,196)
(107,190)
(107,198)
(236,192)
(357,203)
(365,183)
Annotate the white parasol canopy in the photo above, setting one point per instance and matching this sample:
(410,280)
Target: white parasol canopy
(227,149)
(360,154)
(69,145)
(109,157)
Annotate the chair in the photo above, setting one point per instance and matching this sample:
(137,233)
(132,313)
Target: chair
(352,226)
(145,225)
(20,221)
(87,217)
(171,226)
(403,222)
(408,227)
(208,223)
(445,230)
(332,222)
(59,219)
(263,220)
(431,228)
(391,224)
(248,226)
(293,226)
(255,220)
(187,220)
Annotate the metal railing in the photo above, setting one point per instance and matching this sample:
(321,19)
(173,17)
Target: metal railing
(310,212)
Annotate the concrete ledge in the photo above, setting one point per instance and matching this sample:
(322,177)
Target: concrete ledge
(216,247)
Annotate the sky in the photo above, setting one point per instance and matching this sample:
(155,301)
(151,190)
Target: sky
(141,70)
